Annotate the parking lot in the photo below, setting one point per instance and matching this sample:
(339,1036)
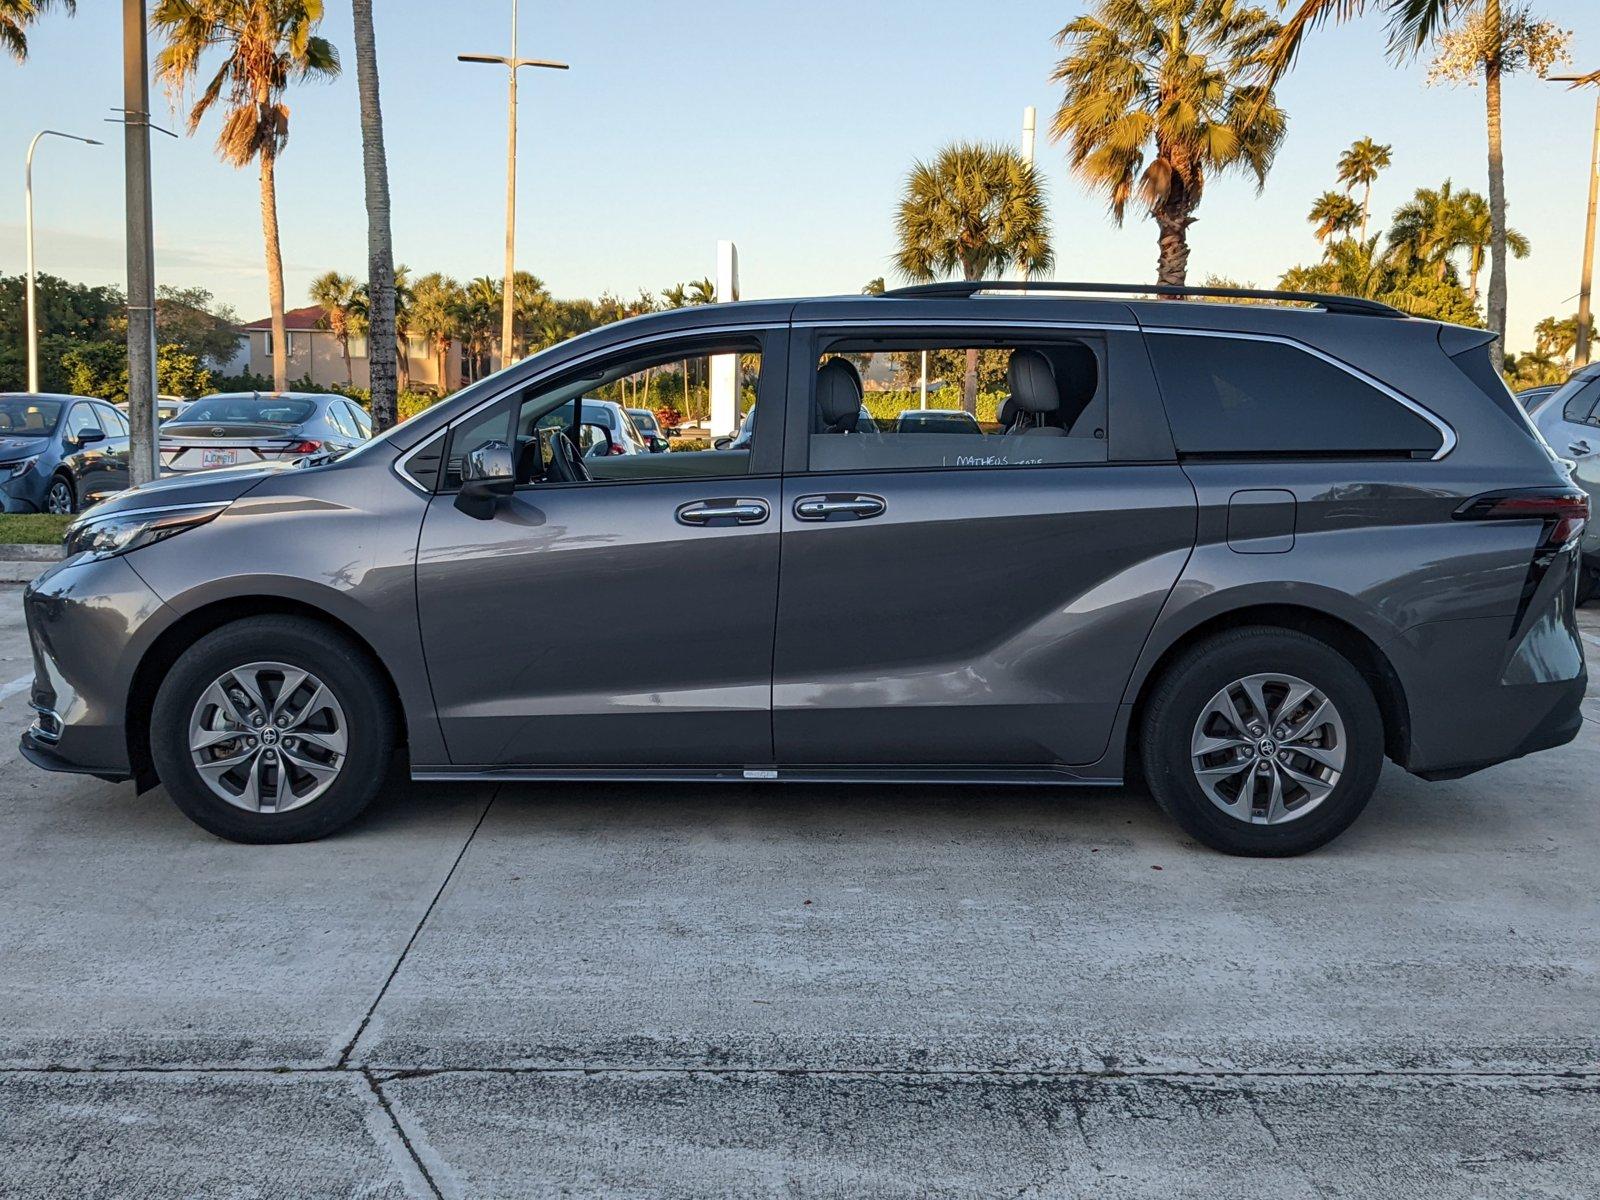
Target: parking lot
(757,990)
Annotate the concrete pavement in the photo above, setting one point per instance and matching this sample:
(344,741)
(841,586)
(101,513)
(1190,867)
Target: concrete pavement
(798,991)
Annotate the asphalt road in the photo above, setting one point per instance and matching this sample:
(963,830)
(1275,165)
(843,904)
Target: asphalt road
(798,991)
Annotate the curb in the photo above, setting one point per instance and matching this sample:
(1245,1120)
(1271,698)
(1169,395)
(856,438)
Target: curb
(22,562)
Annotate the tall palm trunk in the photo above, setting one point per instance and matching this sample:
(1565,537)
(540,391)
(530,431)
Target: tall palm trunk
(1366,209)
(382,366)
(349,371)
(1497,197)
(269,228)
(1172,244)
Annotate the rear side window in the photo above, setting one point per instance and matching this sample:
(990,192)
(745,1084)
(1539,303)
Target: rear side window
(1580,407)
(1228,396)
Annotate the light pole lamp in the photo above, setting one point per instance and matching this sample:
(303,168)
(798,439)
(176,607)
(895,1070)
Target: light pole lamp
(511,62)
(27,187)
(1580,354)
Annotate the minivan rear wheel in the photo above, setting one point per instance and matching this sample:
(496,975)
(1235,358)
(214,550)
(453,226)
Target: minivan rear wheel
(272,729)
(1262,741)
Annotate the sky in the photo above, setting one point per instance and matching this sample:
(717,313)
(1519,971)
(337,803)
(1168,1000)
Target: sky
(787,128)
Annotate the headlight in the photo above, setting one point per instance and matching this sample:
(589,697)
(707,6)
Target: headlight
(117,533)
(20,467)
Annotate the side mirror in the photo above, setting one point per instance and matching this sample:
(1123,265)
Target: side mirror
(89,436)
(722,443)
(487,473)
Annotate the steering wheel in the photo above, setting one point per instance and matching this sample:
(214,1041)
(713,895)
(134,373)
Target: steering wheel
(563,462)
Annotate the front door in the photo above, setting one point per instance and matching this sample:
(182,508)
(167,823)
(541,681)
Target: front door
(967,589)
(621,622)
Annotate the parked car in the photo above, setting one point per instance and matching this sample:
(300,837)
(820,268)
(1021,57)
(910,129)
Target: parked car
(167,407)
(59,453)
(622,436)
(1570,418)
(936,420)
(650,429)
(1533,398)
(1246,550)
(238,428)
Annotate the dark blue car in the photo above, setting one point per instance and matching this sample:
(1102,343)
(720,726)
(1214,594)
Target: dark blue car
(58,453)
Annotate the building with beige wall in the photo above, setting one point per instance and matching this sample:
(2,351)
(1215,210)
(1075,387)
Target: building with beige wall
(314,352)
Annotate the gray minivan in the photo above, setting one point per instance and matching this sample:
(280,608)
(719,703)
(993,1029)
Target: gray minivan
(1243,551)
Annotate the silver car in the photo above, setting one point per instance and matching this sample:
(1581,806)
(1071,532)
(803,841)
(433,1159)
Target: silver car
(1569,418)
(240,428)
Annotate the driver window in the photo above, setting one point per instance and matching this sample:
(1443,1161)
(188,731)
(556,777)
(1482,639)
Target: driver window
(83,417)
(593,412)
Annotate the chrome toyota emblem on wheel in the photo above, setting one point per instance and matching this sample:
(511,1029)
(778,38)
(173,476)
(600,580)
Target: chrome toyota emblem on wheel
(1268,748)
(268,737)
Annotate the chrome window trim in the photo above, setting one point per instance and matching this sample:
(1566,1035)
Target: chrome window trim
(1446,433)
(642,340)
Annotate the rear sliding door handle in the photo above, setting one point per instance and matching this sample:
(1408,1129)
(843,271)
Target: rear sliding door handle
(723,512)
(838,507)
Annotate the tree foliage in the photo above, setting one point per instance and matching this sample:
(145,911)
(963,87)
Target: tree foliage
(1159,95)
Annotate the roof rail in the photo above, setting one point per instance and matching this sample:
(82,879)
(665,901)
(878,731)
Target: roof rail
(957,289)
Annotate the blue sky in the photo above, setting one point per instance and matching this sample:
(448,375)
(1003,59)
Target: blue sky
(786,127)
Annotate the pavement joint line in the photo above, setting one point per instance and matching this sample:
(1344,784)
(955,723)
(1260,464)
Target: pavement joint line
(350,1046)
(381,1074)
(400,1131)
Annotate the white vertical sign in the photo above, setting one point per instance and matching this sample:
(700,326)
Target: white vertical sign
(725,367)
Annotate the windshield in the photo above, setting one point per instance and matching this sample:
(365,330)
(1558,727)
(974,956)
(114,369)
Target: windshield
(28,416)
(278,410)
(644,420)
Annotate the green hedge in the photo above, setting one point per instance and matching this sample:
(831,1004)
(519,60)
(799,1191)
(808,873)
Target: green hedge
(886,406)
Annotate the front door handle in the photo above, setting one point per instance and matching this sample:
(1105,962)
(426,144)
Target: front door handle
(838,507)
(1579,447)
(737,511)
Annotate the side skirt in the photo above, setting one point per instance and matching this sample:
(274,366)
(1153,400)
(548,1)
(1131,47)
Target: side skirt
(1026,777)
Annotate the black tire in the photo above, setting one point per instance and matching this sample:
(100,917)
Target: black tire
(343,667)
(1187,687)
(64,483)
(1588,582)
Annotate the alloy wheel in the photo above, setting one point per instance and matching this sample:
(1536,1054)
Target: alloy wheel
(268,737)
(1268,748)
(59,501)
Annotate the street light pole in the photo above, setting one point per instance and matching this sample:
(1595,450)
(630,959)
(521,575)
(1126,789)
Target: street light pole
(511,62)
(143,455)
(1580,354)
(27,187)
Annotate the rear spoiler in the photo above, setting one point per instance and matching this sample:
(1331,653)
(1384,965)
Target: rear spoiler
(1458,339)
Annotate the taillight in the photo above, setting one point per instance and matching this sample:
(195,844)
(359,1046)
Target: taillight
(306,447)
(1564,511)
(616,449)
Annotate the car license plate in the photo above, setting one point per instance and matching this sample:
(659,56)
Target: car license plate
(218,458)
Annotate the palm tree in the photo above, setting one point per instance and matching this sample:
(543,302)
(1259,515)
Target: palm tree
(1168,81)
(977,209)
(266,45)
(874,287)
(1481,41)
(17,15)
(702,291)
(335,294)
(1477,236)
(381,368)
(435,313)
(1334,213)
(1427,229)
(1359,167)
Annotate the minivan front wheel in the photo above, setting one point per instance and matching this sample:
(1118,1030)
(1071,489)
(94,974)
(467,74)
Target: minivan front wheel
(1262,741)
(272,729)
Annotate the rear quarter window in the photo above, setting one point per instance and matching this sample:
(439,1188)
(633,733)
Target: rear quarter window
(1234,396)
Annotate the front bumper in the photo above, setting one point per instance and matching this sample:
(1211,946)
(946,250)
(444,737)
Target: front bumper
(89,624)
(22,493)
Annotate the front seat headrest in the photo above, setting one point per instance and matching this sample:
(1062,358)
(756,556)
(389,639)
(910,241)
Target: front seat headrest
(1006,414)
(1032,381)
(838,396)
